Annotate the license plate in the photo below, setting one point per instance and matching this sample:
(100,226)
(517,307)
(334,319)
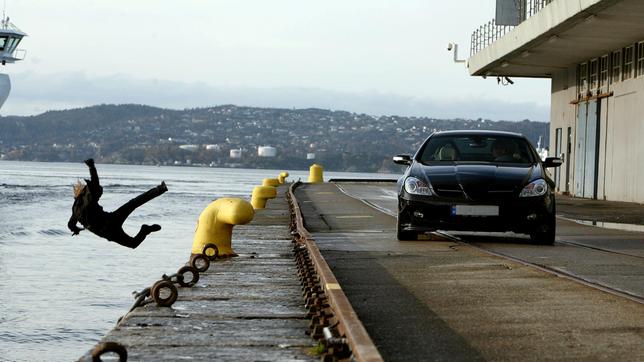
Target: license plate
(475,210)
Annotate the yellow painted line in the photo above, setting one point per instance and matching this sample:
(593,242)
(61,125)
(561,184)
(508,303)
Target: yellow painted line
(353,217)
(332,286)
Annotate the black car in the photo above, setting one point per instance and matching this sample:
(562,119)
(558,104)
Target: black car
(476,181)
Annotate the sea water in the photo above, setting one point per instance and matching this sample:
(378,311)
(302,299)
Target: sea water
(60,294)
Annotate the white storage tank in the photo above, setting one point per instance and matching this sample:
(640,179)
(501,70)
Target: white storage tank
(266,151)
(191,148)
(236,153)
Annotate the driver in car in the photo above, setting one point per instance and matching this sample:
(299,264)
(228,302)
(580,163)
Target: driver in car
(502,151)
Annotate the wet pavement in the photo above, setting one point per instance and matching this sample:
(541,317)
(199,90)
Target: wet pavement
(439,299)
(244,308)
(600,210)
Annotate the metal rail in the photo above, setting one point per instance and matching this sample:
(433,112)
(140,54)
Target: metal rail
(345,318)
(580,245)
(550,270)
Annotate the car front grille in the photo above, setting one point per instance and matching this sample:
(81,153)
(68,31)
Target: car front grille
(474,194)
(450,193)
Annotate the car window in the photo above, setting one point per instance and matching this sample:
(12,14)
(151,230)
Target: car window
(476,148)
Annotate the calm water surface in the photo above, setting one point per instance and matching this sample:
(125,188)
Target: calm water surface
(60,294)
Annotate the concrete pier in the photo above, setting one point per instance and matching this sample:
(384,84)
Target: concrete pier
(440,299)
(244,308)
(471,297)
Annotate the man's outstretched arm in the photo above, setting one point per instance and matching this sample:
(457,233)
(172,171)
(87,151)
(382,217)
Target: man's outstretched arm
(71,224)
(92,170)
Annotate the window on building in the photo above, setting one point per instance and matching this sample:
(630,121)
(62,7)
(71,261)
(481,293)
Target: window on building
(583,77)
(603,71)
(616,66)
(640,58)
(593,76)
(627,68)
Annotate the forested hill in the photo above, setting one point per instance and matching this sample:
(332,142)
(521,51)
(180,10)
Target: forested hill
(137,134)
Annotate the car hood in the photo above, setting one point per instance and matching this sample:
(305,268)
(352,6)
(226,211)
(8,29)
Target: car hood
(478,181)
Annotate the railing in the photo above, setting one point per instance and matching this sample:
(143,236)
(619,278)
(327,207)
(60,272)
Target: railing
(534,6)
(5,24)
(489,32)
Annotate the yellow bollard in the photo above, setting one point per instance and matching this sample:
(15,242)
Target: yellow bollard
(315,173)
(270,182)
(282,177)
(216,223)
(261,194)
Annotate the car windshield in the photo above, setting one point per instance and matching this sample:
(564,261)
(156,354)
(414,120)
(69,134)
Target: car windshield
(476,148)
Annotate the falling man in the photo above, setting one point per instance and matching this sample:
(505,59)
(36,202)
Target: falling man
(108,225)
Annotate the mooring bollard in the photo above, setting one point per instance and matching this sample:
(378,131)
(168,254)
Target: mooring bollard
(261,194)
(270,182)
(216,223)
(282,177)
(316,173)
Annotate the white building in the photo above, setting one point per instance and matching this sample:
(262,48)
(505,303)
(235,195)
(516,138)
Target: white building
(190,148)
(266,151)
(236,153)
(593,51)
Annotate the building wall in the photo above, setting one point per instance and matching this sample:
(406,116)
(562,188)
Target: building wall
(625,142)
(563,115)
(621,136)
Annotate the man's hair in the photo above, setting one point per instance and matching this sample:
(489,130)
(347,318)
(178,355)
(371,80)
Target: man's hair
(78,188)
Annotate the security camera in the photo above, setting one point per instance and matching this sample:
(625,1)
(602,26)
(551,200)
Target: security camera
(449,47)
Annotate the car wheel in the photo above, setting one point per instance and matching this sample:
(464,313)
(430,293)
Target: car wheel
(545,234)
(404,235)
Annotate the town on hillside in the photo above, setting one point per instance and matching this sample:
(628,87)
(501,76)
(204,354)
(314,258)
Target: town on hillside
(231,136)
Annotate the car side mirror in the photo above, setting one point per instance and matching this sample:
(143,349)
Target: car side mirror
(552,162)
(402,159)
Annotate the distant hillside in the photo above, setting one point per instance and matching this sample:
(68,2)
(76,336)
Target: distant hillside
(137,134)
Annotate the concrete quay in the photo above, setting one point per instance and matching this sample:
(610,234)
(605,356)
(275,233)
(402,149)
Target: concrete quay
(478,296)
(449,297)
(247,308)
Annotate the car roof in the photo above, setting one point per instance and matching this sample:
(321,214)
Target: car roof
(477,133)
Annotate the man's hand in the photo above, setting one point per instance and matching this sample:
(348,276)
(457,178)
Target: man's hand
(89,162)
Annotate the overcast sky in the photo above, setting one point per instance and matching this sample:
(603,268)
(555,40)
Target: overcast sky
(373,56)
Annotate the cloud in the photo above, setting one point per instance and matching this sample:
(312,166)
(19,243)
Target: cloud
(35,93)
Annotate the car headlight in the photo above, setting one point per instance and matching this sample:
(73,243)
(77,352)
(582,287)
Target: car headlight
(535,188)
(415,186)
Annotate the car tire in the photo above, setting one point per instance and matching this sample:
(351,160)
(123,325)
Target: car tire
(545,235)
(404,235)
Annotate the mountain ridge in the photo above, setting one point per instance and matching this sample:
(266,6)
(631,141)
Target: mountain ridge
(140,134)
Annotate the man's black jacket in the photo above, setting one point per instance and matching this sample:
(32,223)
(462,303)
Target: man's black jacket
(86,209)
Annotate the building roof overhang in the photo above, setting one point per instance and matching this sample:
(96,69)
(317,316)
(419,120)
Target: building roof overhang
(563,34)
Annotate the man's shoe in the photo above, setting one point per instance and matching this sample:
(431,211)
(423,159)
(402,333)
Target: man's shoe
(150,228)
(163,187)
